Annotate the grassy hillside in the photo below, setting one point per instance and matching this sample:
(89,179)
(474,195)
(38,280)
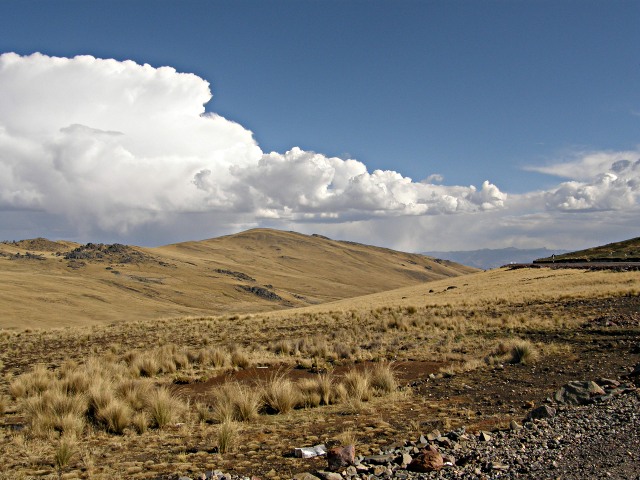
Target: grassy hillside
(52,284)
(475,351)
(625,251)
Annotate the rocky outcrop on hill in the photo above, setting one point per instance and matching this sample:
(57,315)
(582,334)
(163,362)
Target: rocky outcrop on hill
(115,253)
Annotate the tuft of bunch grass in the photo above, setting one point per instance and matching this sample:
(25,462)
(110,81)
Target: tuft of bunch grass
(140,422)
(64,452)
(383,379)
(523,352)
(309,395)
(145,366)
(135,392)
(55,411)
(37,381)
(279,394)
(227,436)
(357,385)
(218,358)
(163,408)
(99,396)
(318,390)
(240,359)
(114,417)
(4,404)
(76,382)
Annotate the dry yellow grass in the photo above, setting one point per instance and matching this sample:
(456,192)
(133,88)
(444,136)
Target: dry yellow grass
(465,328)
(198,278)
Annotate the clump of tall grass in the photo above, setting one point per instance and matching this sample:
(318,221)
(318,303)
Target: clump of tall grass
(357,385)
(382,379)
(279,394)
(4,404)
(95,393)
(54,411)
(140,422)
(163,407)
(240,359)
(32,383)
(114,417)
(318,390)
(523,352)
(227,435)
(134,392)
(65,450)
(236,402)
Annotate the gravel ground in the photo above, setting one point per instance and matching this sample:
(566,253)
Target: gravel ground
(596,441)
(580,442)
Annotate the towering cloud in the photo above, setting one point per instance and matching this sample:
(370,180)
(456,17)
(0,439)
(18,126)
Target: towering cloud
(127,150)
(116,144)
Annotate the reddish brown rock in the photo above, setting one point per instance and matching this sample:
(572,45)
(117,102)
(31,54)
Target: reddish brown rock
(339,457)
(428,460)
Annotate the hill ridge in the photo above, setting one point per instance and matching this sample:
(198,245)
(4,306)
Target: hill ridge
(252,271)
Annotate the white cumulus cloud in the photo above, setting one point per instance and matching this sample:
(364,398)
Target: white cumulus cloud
(600,181)
(113,145)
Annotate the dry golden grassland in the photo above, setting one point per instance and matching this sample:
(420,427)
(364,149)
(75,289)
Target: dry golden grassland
(137,399)
(255,271)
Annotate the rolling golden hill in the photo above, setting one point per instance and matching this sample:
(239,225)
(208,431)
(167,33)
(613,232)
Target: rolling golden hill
(49,284)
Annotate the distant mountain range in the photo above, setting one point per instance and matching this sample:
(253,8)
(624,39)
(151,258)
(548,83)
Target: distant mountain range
(494,258)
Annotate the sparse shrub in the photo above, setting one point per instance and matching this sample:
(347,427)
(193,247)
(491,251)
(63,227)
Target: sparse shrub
(279,394)
(227,435)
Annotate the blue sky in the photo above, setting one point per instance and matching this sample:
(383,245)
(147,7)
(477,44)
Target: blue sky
(529,96)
